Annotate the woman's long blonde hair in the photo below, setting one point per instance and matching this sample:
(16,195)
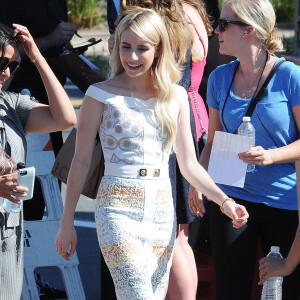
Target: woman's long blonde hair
(148,25)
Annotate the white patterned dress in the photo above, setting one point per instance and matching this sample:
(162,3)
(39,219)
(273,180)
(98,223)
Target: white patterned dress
(134,214)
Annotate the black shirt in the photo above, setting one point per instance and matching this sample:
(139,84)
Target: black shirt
(40,17)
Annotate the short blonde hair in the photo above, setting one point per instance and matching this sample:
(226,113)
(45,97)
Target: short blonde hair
(148,25)
(261,15)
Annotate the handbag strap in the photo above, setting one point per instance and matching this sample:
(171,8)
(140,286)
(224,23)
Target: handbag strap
(262,91)
(203,129)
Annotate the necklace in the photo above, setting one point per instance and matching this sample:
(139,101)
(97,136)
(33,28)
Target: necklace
(228,91)
(250,88)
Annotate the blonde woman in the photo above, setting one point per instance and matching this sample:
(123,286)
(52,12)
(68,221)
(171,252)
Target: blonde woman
(141,115)
(246,31)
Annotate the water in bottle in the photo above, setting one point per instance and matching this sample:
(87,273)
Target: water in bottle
(247,129)
(9,206)
(272,289)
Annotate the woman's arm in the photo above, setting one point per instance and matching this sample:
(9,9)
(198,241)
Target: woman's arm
(59,114)
(272,266)
(196,174)
(88,126)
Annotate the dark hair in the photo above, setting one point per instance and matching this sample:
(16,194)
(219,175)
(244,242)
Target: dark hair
(7,38)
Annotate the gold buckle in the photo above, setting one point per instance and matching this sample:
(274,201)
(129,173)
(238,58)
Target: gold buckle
(156,173)
(143,172)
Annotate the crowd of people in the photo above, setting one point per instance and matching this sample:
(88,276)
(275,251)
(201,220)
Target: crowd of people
(157,134)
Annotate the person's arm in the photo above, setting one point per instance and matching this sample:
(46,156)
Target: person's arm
(272,266)
(112,14)
(59,114)
(196,175)
(89,122)
(289,153)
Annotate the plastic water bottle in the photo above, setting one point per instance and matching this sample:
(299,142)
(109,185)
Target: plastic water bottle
(272,289)
(9,206)
(247,129)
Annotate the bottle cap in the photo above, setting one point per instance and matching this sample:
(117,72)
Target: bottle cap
(275,249)
(21,165)
(246,119)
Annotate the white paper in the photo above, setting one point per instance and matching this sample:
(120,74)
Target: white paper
(225,167)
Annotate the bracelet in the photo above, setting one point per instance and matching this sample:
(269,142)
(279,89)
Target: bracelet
(221,206)
(34,60)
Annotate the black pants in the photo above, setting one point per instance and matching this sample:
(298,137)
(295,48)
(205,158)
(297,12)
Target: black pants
(234,250)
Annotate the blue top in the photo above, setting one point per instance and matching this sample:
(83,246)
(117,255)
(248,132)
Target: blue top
(273,185)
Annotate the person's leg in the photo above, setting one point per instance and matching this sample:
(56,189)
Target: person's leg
(234,254)
(183,275)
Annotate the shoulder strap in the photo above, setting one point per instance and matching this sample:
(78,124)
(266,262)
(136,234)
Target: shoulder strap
(261,93)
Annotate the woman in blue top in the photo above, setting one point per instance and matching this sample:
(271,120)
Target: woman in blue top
(246,31)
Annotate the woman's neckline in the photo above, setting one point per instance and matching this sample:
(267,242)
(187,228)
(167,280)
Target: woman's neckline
(127,96)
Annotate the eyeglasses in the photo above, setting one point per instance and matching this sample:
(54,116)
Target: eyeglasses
(222,23)
(13,66)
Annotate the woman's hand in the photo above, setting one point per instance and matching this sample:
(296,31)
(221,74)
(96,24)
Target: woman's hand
(258,156)
(272,266)
(62,34)
(29,45)
(236,212)
(196,202)
(9,188)
(65,237)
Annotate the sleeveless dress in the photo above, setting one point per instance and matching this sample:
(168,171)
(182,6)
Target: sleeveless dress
(180,186)
(135,216)
(196,78)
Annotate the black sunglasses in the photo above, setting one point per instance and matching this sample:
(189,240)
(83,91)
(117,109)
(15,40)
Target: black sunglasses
(13,66)
(222,23)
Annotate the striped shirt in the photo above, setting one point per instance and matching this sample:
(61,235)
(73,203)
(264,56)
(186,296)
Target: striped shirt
(14,113)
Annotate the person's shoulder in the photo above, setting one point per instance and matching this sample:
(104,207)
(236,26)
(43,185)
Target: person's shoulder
(288,65)
(288,70)
(180,93)
(10,97)
(191,11)
(178,89)
(101,91)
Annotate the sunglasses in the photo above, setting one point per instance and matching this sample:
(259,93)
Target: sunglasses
(222,23)
(13,66)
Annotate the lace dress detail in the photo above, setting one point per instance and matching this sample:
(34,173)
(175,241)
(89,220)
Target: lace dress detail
(135,218)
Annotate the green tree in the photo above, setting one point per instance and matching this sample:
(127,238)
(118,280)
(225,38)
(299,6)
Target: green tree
(86,13)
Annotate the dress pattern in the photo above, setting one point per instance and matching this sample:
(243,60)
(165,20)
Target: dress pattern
(135,216)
